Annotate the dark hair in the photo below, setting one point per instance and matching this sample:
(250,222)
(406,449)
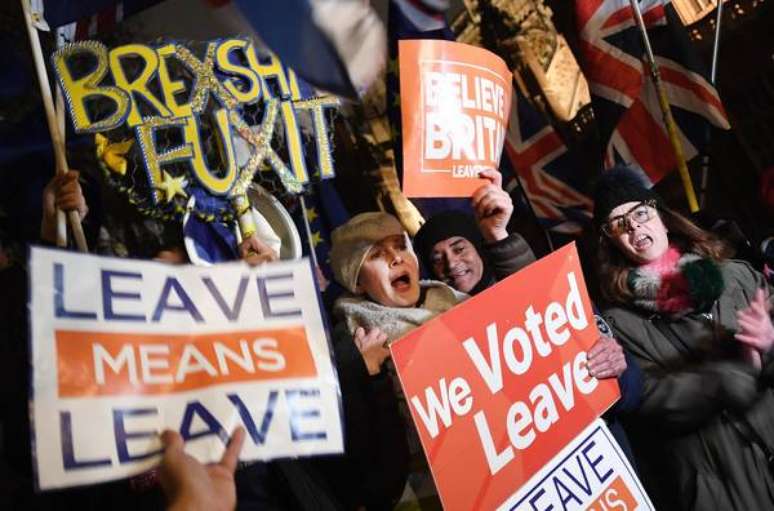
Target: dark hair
(613,267)
(442,226)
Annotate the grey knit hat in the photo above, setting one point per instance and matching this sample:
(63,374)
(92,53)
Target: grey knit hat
(352,241)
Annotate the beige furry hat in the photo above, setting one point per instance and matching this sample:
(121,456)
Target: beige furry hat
(352,241)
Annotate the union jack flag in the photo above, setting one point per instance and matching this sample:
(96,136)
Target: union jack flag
(625,101)
(553,181)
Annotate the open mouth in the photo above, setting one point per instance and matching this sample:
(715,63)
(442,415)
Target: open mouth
(642,241)
(401,282)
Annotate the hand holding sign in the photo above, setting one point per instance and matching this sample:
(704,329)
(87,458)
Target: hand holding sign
(606,358)
(255,252)
(493,207)
(371,346)
(62,192)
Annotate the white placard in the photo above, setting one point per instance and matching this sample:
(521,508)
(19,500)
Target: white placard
(590,474)
(122,349)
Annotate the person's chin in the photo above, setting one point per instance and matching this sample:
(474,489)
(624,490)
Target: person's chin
(648,256)
(407,298)
(464,285)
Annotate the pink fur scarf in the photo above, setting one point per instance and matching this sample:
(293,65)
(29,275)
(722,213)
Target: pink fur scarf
(676,284)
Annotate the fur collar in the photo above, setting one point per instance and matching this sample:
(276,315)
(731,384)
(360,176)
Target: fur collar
(676,284)
(359,311)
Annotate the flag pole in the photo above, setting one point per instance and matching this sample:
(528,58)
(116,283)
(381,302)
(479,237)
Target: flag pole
(308,230)
(51,117)
(546,232)
(716,42)
(713,75)
(666,111)
(61,218)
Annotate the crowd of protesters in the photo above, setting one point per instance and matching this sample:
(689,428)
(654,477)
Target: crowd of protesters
(685,330)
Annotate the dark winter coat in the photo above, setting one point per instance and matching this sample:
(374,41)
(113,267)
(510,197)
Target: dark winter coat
(698,400)
(504,258)
(375,465)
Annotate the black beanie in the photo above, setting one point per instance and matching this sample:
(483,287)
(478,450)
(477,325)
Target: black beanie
(445,225)
(619,185)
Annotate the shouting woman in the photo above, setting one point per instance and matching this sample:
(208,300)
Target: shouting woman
(699,326)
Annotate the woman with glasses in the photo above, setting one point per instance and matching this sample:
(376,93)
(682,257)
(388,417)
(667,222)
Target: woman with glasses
(699,326)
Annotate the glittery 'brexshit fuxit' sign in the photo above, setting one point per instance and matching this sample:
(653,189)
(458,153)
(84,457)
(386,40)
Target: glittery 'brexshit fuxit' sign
(176,120)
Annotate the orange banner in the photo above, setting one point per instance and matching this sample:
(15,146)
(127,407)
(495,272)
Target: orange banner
(498,385)
(103,364)
(455,103)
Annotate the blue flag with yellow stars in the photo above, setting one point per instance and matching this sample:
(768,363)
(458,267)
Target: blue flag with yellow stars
(324,211)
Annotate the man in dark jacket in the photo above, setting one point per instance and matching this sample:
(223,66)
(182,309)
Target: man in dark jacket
(472,254)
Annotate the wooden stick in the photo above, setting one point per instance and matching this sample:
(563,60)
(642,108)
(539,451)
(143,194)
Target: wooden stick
(61,219)
(666,112)
(53,128)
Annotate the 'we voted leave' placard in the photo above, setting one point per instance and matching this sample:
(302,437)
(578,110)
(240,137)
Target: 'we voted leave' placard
(498,386)
(124,349)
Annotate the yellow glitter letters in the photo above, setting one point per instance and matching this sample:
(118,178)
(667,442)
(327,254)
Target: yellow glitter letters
(77,91)
(139,85)
(190,108)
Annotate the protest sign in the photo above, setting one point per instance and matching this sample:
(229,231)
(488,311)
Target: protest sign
(123,349)
(498,385)
(184,128)
(590,474)
(455,102)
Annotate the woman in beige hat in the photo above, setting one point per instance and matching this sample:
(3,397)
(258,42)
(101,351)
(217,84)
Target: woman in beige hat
(372,257)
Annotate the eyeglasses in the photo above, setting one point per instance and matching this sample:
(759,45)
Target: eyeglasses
(641,213)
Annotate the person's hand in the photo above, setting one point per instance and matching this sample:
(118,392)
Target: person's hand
(755,328)
(189,485)
(606,359)
(255,252)
(493,207)
(372,348)
(752,357)
(62,192)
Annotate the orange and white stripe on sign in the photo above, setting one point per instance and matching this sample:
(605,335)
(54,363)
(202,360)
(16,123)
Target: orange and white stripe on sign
(104,364)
